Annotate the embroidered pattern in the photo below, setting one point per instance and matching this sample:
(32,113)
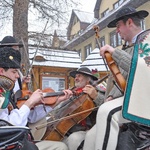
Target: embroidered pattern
(144,49)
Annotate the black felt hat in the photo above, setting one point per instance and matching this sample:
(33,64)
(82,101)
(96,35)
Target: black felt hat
(9,58)
(83,70)
(9,41)
(127,12)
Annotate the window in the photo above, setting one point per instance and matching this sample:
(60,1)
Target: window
(118,3)
(105,13)
(119,39)
(80,31)
(101,42)
(56,83)
(88,50)
(79,52)
(115,39)
(143,24)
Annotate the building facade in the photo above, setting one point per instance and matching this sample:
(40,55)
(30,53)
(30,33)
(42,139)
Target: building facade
(85,41)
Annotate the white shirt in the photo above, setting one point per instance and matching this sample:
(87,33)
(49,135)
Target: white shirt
(135,37)
(20,117)
(16,87)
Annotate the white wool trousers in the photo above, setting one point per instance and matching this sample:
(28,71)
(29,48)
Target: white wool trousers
(51,145)
(108,122)
(90,137)
(104,135)
(74,140)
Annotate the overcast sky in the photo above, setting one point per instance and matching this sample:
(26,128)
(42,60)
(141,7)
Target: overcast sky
(87,5)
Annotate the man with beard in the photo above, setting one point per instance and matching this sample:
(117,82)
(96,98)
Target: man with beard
(83,79)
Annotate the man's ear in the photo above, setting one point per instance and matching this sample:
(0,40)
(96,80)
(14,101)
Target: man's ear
(1,71)
(130,21)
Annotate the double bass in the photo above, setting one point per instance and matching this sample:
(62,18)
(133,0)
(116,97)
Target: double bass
(70,117)
(79,107)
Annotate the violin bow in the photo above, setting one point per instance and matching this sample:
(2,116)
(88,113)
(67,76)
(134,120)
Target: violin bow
(27,56)
(38,47)
(30,68)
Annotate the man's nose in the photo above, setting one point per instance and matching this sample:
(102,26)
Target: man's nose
(17,75)
(76,77)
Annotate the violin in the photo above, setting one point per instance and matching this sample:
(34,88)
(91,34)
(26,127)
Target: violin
(24,94)
(115,71)
(112,65)
(49,95)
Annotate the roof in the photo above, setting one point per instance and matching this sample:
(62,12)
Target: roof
(97,8)
(85,17)
(94,61)
(54,58)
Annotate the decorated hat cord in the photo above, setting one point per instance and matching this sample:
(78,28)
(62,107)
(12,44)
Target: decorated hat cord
(95,73)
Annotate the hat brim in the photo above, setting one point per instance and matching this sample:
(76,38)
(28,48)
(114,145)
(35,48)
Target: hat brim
(11,44)
(73,74)
(141,14)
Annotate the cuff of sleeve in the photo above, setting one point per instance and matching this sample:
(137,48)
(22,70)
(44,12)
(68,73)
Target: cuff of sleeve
(99,99)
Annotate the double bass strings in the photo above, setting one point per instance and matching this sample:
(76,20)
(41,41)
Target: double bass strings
(64,118)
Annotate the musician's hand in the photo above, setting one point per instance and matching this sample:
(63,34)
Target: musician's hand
(26,79)
(68,94)
(106,48)
(108,99)
(91,91)
(35,98)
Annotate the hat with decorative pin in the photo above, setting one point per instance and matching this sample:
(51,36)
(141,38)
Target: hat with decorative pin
(127,12)
(9,58)
(83,70)
(9,41)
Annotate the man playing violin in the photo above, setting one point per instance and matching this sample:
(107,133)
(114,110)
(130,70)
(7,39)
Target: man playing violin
(83,79)
(9,41)
(109,117)
(9,64)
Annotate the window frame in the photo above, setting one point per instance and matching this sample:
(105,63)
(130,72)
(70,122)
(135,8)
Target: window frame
(49,79)
(104,13)
(88,50)
(101,42)
(117,4)
(115,39)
